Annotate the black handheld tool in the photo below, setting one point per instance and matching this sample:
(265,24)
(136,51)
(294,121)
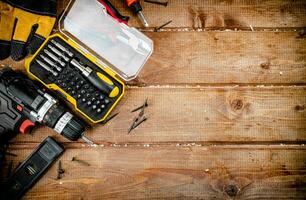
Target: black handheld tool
(30,170)
(23,104)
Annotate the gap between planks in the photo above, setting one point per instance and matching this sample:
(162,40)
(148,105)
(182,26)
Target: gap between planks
(161,145)
(300,30)
(219,86)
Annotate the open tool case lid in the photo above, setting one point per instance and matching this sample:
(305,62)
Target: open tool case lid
(117,46)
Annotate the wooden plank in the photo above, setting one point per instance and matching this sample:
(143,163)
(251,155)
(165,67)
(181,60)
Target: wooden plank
(204,114)
(226,57)
(223,58)
(190,172)
(223,14)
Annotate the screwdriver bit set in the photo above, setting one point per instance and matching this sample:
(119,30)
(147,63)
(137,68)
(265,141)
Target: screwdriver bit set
(91,89)
(91,57)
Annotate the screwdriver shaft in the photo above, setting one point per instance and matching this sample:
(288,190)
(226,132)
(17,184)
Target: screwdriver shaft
(86,71)
(143,19)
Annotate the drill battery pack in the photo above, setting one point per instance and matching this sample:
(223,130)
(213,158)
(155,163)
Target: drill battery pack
(31,169)
(89,60)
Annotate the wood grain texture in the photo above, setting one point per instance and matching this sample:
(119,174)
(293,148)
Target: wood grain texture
(205,137)
(226,57)
(218,14)
(217,58)
(204,114)
(190,172)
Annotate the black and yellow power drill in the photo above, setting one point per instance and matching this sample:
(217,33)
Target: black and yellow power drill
(23,104)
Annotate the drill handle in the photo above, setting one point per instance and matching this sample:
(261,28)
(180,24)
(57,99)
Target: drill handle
(12,121)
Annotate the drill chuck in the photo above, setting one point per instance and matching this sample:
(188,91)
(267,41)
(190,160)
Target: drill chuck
(64,123)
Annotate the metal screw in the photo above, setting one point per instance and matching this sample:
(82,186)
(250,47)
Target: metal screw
(140,122)
(140,118)
(137,121)
(138,108)
(10,154)
(157,2)
(162,26)
(80,161)
(142,106)
(60,170)
(110,118)
(133,124)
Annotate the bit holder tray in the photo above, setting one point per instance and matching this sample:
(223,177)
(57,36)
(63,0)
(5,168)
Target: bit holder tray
(54,66)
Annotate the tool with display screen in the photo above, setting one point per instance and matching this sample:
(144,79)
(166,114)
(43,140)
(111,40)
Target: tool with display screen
(137,9)
(96,78)
(22,104)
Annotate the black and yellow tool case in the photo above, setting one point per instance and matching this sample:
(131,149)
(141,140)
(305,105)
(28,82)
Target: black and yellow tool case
(89,60)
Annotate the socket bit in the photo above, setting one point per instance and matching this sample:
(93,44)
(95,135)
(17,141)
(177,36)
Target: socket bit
(58,53)
(54,57)
(46,67)
(58,45)
(51,63)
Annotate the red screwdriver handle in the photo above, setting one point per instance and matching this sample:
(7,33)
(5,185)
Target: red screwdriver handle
(135,6)
(130,2)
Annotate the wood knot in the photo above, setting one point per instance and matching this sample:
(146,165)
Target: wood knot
(231,190)
(265,65)
(237,104)
(299,108)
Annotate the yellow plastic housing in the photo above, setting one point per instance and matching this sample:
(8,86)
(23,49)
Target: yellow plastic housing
(69,98)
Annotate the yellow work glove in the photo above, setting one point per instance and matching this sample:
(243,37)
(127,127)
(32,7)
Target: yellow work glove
(6,29)
(33,21)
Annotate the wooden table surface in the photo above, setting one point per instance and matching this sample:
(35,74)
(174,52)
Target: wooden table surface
(227,120)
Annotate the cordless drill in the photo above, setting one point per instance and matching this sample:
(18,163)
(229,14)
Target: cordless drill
(23,104)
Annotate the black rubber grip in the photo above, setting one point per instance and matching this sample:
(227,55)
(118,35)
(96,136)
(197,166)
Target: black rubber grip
(99,83)
(10,118)
(136,7)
